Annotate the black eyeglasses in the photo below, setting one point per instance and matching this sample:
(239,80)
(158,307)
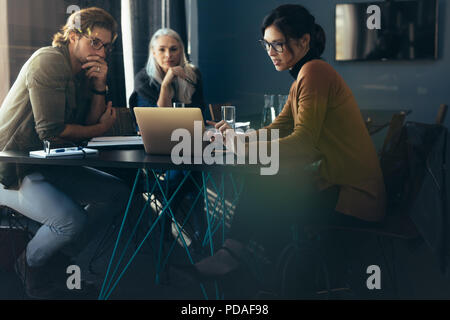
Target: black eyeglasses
(277,46)
(97,44)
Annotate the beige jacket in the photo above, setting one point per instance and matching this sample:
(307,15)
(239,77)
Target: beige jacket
(45,97)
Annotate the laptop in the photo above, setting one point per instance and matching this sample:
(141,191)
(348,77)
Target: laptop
(158,124)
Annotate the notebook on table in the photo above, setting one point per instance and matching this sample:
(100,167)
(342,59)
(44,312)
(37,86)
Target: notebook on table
(116,142)
(64,152)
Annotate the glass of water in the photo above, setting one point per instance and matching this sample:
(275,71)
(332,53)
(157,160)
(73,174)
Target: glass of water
(229,115)
(178,105)
(282,99)
(268,114)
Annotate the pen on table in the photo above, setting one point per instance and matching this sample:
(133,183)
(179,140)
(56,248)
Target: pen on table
(67,149)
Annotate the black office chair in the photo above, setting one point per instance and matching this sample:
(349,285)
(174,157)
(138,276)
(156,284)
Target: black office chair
(15,232)
(308,243)
(442,113)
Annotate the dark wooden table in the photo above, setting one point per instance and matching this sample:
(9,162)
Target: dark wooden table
(136,159)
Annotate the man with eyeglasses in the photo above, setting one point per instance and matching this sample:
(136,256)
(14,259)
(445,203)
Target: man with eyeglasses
(60,96)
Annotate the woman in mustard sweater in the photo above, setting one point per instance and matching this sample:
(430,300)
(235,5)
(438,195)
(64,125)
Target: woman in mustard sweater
(321,121)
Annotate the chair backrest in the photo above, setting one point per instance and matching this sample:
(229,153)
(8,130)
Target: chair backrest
(442,112)
(394,130)
(393,162)
(124,125)
(405,159)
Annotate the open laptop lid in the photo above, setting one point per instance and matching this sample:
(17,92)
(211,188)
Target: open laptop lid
(158,124)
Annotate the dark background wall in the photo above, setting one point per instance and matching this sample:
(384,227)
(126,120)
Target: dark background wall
(237,70)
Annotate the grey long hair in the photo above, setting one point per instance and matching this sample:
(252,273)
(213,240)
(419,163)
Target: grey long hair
(185,90)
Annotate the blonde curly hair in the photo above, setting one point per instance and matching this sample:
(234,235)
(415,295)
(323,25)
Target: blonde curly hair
(88,19)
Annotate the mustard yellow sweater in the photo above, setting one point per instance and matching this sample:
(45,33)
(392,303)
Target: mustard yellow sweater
(321,120)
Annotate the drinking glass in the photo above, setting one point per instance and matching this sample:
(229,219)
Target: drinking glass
(282,99)
(178,105)
(269,110)
(229,115)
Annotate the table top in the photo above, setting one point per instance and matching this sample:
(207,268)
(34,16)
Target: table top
(136,158)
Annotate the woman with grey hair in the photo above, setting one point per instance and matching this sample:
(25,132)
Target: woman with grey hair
(168,76)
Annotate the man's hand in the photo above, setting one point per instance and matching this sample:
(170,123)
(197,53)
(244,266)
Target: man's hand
(96,71)
(109,117)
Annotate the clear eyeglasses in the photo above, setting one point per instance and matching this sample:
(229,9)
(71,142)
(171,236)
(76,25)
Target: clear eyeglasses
(277,46)
(97,44)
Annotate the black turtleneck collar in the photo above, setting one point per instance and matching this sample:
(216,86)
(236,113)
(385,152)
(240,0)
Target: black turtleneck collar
(296,69)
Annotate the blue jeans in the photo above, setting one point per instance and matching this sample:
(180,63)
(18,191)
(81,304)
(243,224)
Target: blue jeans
(70,203)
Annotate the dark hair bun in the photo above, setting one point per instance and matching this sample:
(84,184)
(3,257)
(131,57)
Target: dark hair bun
(319,40)
(294,21)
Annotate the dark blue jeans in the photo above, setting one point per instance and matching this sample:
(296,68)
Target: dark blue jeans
(70,204)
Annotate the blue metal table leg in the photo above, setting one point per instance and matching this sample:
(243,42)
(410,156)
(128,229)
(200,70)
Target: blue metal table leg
(107,290)
(101,296)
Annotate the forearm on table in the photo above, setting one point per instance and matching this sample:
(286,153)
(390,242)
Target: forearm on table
(74,132)
(252,138)
(296,145)
(98,108)
(283,131)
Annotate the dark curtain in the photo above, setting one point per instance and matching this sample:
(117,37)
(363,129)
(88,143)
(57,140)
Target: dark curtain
(178,19)
(116,75)
(31,26)
(146,20)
